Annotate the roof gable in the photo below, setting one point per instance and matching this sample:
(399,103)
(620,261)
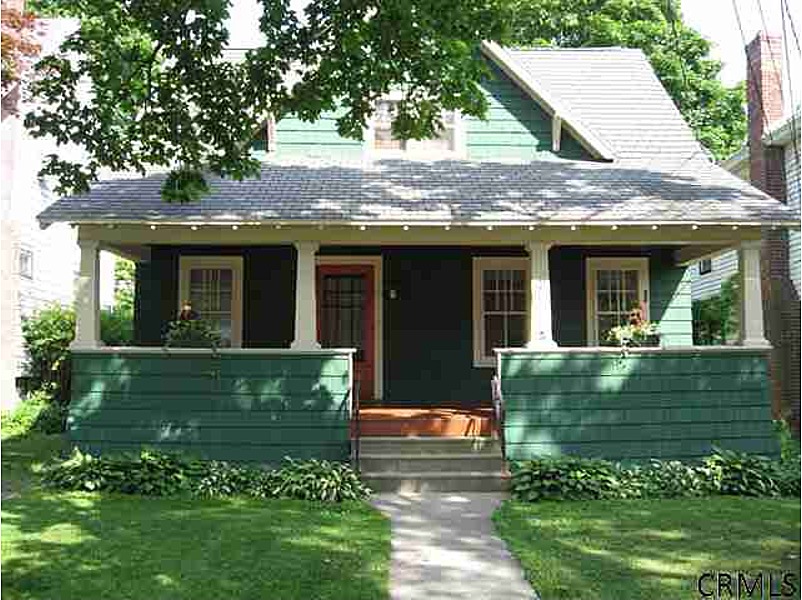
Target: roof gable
(612,98)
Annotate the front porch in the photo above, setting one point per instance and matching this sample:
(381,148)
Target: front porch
(411,321)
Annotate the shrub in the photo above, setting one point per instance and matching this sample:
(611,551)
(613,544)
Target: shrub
(740,474)
(195,333)
(715,319)
(37,412)
(674,479)
(789,445)
(47,335)
(566,478)
(724,472)
(117,326)
(317,480)
(154,473)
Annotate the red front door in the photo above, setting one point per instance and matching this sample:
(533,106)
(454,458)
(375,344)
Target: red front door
(345,307)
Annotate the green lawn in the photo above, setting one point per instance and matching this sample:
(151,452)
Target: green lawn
(638,549)
(23,456)
(79,545)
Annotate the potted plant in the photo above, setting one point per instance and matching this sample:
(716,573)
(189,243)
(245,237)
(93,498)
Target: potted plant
(190,331)
(638,332)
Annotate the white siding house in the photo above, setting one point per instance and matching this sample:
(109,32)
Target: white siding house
(38,266)
(706,283)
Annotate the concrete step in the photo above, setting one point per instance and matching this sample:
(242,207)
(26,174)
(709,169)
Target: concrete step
(427,446)
(447,481)
(430,463)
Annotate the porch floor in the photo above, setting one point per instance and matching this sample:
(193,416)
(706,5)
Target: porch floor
(426,422)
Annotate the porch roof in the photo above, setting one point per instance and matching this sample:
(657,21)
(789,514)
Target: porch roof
(450,191)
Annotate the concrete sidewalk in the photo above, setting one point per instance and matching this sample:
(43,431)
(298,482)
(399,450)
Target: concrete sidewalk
(444,547)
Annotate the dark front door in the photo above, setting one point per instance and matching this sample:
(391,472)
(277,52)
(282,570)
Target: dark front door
(345,302)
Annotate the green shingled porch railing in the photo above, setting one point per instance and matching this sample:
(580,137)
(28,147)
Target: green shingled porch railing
(239,405)
(652,403)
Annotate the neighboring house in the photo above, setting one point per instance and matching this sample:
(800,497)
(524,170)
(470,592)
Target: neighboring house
(38,267)
(770,161)
(401,276)
(709,274)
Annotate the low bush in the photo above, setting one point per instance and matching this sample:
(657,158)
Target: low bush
(673,479)
(47,335)
(117,326)
(739,474)
(35,413)
(724,472)
(566,478)
(316,480)
(154,473)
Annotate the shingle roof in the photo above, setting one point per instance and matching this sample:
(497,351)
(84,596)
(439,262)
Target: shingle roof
(441,191)
(615,93)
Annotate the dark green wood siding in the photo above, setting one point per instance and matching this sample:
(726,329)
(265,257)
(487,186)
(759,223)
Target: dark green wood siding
(428,326)
(515,126)
(654,405)
(428,337)
(669,306)
(268,292)
(244,407)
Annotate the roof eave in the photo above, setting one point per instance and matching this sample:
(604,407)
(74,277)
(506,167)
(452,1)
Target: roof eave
(781,223)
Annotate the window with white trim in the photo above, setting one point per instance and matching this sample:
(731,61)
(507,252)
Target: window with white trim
(212,285)
(615,288)
(384,140)
(500,306)
(26,263)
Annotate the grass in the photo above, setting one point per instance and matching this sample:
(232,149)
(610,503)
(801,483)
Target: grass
(80,545)
(23,457)
(647,549)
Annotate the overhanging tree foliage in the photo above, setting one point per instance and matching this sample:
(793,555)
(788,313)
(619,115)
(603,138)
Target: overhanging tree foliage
(679,54)
(159,92)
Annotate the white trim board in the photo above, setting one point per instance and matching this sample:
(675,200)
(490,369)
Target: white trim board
(378,305)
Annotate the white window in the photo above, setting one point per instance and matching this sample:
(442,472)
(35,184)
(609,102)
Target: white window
(213,287)
(615,287)
(445,142)
(26,263)
(500,306)
(705,266)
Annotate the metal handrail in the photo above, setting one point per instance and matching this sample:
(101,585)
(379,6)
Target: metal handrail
(355,425)
(498,411)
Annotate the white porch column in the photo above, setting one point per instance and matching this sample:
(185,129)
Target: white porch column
(751,309)
(87,297)
(305,302)
(540,334)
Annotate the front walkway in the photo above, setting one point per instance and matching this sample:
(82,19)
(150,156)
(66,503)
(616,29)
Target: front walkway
(444,547)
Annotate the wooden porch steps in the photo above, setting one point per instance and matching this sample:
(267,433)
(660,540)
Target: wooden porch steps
(425,422)
(433,464)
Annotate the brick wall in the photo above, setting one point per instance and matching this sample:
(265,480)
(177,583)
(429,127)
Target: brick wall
(767,172)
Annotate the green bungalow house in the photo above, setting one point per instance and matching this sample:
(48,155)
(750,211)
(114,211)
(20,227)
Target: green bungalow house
(368,292)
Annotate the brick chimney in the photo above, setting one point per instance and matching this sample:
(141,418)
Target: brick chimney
(781,306)
(765,110)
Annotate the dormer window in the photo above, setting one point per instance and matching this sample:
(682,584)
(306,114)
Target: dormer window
(265,136)
(384,140)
